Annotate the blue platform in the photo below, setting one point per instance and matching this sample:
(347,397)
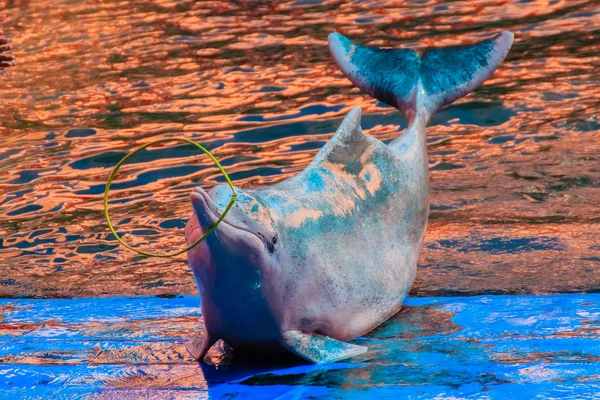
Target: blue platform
(486,347)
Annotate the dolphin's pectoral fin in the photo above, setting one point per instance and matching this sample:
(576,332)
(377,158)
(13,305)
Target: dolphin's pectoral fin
(319,349)
(198,346)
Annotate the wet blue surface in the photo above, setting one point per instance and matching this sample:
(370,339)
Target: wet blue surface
(482,347)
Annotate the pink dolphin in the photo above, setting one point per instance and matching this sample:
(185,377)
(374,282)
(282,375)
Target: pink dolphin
(328,255)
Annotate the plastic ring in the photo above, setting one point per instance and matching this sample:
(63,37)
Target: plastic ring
(120,163)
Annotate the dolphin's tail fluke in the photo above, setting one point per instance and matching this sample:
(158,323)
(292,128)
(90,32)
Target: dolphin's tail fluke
(409,82)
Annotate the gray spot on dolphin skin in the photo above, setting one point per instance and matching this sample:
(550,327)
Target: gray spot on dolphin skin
(329,254)
(353,167)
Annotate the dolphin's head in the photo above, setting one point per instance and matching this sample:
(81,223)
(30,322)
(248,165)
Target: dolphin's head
(246,238)
(233,265)
(246,226)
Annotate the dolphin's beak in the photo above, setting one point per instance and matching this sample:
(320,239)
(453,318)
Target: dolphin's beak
(233,232)
(205,208)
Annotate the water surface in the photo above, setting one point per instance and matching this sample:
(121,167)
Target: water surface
(515,177)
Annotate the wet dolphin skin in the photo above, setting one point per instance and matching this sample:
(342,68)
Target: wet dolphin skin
(316,260)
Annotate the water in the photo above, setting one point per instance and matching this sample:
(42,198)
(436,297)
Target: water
(515,181)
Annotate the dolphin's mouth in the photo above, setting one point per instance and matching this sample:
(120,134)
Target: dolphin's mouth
(208,205)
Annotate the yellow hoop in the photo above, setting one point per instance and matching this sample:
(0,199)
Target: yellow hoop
(212,228)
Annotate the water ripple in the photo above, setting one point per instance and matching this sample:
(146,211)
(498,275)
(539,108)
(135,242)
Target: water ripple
(255,83)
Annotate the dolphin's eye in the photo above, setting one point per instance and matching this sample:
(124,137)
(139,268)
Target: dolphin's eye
(271,244)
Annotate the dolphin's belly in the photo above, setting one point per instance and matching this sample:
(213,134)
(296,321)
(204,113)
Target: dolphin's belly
(356,269)
(357,278)
(372,298)
(351,298)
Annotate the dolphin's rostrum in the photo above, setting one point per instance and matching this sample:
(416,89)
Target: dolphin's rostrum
(329,254)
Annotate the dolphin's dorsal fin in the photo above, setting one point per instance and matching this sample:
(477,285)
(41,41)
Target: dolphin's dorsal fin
(348,143)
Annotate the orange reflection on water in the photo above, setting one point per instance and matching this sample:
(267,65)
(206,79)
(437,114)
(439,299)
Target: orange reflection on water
(514,176)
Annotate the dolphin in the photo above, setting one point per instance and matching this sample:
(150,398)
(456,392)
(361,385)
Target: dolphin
(323,257)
